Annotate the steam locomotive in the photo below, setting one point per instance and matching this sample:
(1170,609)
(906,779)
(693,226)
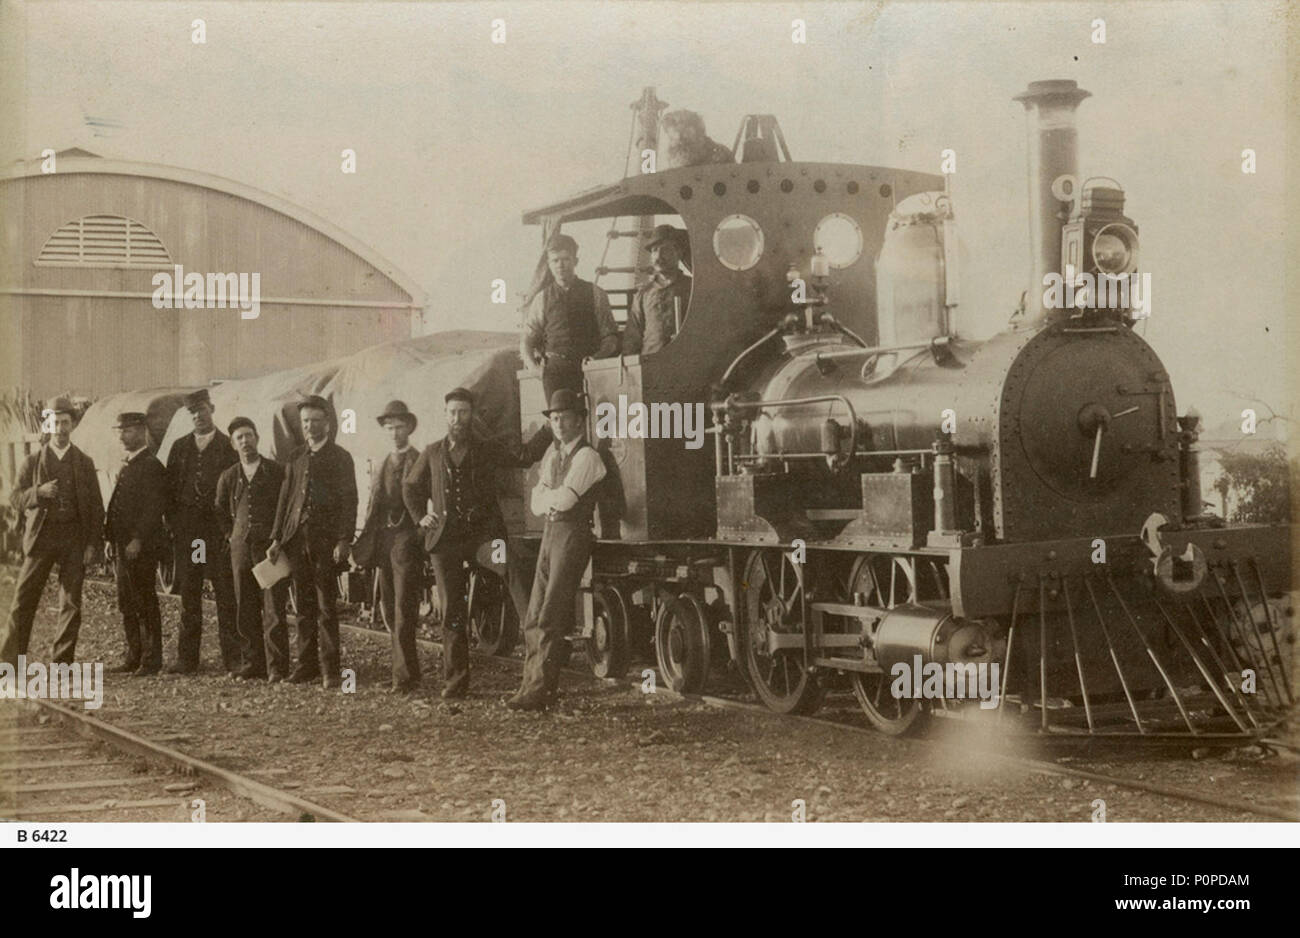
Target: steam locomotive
(881,493)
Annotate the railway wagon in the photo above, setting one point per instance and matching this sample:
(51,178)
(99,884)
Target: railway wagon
(880,495)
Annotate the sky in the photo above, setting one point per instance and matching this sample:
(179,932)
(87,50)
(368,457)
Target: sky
(456,136)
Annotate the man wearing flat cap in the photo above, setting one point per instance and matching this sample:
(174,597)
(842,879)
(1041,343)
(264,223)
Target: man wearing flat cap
(567,320)
(247,495)
(61,512)
(390,543)
(134,526)
(652,316)
(452,490)
(315,519)
(194,464)
(566,494)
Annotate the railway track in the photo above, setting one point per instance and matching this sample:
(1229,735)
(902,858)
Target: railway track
(1274,812)
(58,764)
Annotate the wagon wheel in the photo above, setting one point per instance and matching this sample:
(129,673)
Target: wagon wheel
(493,622)
(380,616)
(607,648)
(682,644)
(886,582)
(773,605)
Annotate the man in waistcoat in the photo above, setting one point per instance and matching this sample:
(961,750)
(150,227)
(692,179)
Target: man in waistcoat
(194,464)
(566,494)
(315,520)
(247,495)
(133,525)
(568,320)
(652,315)
(57,498)
(452,489)
(390,542)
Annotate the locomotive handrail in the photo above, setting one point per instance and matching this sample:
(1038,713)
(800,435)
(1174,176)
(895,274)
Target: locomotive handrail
(726,375)
(819,399)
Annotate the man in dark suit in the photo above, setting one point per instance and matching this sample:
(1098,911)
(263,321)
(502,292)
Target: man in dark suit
(315,520)
(457,477)
(247,494)
(194,464)
(57,497)
(134,526)
(390,543)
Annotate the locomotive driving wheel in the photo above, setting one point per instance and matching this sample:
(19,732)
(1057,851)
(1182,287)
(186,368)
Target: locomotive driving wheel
(773,607)
(607,647)
(886,582)
(682,644)
(493,621)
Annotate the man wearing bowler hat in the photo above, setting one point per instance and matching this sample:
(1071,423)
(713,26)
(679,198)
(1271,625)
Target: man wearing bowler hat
(452,490)
(390,543)
(247,494)
(315,519)
(568,319)
(134,526)
(652,317)
(566,495)
(57,497)
(194,464)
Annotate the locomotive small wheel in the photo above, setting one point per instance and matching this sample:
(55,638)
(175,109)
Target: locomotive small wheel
(493,620)
(606,650)
(640,632)
(380,614)
(871,576)
(772,590)
(682,644)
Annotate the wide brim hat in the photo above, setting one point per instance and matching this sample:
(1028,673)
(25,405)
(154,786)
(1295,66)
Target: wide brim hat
(565,399)
(62,405)
(398,409)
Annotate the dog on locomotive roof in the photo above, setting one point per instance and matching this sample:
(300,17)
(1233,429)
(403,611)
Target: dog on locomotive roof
(684,142)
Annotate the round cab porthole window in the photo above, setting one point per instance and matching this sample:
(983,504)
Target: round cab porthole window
(839,238)
(738,242)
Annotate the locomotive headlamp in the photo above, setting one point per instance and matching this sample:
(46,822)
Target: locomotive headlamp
(1115,249)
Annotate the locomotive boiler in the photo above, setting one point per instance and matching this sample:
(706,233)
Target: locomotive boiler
(881,492)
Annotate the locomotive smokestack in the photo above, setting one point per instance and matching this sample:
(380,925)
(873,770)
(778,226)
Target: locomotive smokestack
(1053,152)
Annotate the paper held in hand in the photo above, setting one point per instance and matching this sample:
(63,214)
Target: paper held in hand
(268,574)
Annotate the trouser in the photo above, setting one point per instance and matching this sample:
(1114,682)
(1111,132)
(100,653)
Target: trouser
(449,568)
(311,558)
(263,632)
(68,553)
(565,550)
(137,600)
(560,371)
(400,564)
(189,581)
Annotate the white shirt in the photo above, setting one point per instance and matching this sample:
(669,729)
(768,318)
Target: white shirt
(60,452)
(585,470)
(202,441)
(250,469)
